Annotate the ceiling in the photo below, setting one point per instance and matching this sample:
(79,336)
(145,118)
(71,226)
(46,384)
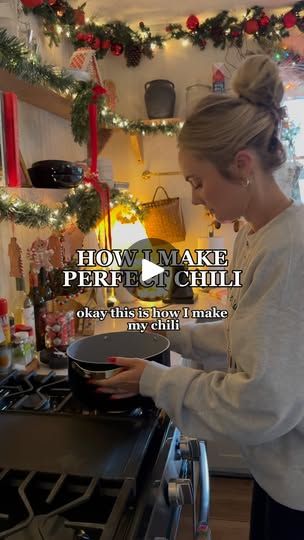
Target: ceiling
(153,12)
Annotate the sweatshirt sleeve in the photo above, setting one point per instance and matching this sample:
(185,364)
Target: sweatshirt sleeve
(263,400)
(200,342)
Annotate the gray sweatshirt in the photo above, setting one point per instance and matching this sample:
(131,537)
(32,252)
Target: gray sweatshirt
(259,401)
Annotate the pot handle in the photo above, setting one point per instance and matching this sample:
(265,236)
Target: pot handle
(80,370)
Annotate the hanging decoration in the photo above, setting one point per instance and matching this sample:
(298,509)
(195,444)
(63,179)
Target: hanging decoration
(16,262)
(40,255)
(81,204)
(59,19)
(92,178)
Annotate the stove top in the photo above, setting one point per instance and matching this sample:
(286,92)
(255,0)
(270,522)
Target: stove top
(50,506)
(68,473)
(46,393)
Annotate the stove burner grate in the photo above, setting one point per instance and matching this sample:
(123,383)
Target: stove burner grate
(61,506)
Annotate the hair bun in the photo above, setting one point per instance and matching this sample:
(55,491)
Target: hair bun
(258,81)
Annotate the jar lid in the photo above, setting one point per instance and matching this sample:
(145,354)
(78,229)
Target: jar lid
(23,328)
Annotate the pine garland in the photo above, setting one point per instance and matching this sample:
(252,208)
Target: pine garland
(14,57)
(60,19)
(81,204)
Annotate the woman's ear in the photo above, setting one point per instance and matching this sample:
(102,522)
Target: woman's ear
(243,163)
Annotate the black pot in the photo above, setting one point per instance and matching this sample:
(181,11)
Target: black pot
(59,167)
(88,359)
(43,177)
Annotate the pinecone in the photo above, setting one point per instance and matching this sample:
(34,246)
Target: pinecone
(133,55)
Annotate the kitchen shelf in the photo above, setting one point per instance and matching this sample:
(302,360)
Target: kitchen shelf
(40,97)
(137,139)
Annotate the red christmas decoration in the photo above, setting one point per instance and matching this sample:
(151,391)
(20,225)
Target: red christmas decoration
(89,38)
(235,32)
(32,3)
(264,20)
(79,16)
(98,91)
(202,44)
(81,36)
(192,23)
(168,28)
(289,19)
(105,44)
(51,2)
(117,49)
(251,26)
(96,43)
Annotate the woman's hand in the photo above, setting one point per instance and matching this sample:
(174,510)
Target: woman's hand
(124,384)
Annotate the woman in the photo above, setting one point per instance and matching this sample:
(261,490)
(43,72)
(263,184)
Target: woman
(228,150)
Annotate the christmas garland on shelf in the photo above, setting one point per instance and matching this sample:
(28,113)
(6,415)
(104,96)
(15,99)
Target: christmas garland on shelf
(82,204)
(60,19)
(111,120)
(16,58)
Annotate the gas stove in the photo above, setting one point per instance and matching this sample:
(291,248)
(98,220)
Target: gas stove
(69,473)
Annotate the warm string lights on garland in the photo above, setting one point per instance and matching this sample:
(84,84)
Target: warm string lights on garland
(117,38)
(82,205)
(16,58)
(110,119)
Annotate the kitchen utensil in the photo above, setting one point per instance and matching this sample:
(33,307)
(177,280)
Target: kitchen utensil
(47,178)
(91,353)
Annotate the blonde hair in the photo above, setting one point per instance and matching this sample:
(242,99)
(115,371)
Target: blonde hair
(221,125)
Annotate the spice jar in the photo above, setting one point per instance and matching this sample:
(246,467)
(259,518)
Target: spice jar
(22,348)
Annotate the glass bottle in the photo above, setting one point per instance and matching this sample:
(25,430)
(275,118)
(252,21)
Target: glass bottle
(45,289)
(39,311)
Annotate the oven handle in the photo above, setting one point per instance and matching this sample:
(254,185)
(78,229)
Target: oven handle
(195,450)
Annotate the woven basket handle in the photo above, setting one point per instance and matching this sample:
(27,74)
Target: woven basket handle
(160,187)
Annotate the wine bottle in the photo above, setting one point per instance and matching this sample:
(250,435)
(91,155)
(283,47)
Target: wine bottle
(45,289)
(39,311)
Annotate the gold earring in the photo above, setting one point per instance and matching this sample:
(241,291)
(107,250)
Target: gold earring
(246,181)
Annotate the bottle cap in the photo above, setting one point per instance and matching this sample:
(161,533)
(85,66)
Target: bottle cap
(3,307)
(19,328)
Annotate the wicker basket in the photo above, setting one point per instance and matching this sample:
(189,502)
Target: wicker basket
(164,218)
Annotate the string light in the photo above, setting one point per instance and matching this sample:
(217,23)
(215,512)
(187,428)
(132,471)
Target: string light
(40,215)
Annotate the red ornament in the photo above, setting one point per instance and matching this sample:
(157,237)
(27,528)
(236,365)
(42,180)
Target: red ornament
(32,3)
(79,17)
(117,49)
(169,28)
(51,2)
(81,36)
(235,32)
(192,23)
(251,26)
(96,43)
(289,19)
(264,20)
(105,44)
(89,38)
(202,44)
